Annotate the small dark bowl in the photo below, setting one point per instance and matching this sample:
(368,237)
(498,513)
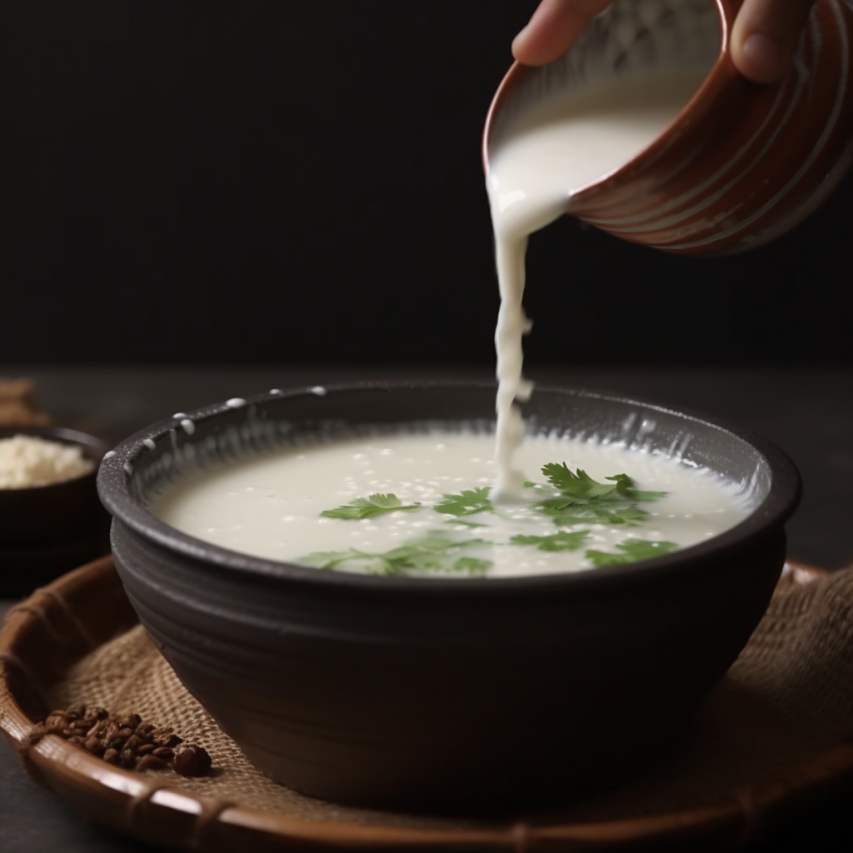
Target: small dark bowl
(58,512)
(447,695)
(51,529)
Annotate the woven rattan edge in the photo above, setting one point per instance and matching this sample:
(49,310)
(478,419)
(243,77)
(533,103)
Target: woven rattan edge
(142,806)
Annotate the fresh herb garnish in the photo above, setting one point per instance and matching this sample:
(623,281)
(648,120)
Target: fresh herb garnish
(625,487)
(556,542)
(434,552)
(616,514)
(332,559)
(472,566)
(431,553)
(583,500)
(632,550)
(468,502)
(370,506)
(579,487)
(569,498)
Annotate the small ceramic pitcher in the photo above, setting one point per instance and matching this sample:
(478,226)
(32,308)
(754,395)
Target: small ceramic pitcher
(742,163)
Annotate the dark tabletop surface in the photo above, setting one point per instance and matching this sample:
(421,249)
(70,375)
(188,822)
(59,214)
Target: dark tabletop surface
(807,412)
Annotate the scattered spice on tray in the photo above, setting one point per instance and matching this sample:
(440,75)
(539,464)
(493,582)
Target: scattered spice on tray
(127,741)
(28,460)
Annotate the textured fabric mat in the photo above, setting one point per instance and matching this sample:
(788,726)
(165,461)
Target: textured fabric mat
(787,698)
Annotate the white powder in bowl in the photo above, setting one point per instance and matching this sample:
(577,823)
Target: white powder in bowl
(26,461)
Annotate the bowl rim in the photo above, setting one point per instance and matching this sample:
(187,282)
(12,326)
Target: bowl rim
(116,471)
(93,447)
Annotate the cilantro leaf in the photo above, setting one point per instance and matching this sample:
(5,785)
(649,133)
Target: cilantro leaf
(370,506)
(640,495)
(436,541)
(583,500)
(472,566)
(579,487)
(432,553)
(625,487)
(627,514)
(551,506)
(632,551)
(372,563)
(435,552)
(556,542)
(630,516)
(328,559)
(467,502)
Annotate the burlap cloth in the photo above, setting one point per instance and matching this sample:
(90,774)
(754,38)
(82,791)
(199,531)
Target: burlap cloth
(787,699)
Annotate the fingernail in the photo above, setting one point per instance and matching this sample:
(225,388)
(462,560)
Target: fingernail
(766,56)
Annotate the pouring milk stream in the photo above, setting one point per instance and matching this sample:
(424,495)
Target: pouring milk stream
(550,153)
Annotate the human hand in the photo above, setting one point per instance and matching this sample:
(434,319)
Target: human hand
(763,42)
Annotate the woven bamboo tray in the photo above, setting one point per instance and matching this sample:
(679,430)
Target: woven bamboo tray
(59,625)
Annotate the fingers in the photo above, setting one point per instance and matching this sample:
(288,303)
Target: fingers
(765,37)
(552,29)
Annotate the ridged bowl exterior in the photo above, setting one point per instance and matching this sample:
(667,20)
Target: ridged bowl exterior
(742,164)
(446,695)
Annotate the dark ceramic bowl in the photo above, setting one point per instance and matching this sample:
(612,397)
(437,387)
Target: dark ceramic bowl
(449,695)
(48,530)
(55,513)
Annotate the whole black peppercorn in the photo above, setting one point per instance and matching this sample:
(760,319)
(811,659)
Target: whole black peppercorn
(193,761)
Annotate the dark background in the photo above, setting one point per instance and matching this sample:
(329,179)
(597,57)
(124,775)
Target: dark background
(300,182)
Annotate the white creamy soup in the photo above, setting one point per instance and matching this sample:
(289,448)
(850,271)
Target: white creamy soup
(534,168)
(420,505)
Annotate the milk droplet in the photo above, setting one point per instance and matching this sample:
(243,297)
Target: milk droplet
(128,468)
(149,443)
(179,415)
(188,425)
(275,391)
(319,390)
(235,402)
(109,454)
